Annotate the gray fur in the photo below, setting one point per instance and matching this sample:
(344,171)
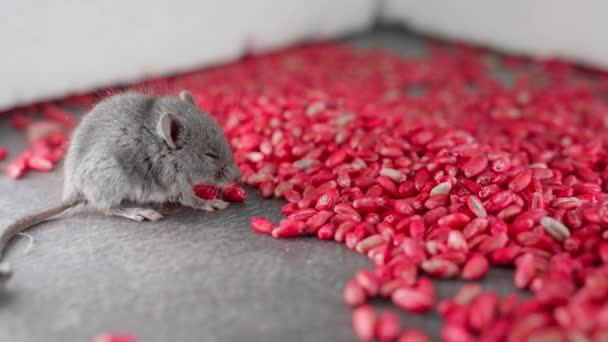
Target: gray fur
(121,152)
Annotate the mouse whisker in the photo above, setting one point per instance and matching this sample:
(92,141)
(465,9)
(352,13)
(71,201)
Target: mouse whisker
(217,189)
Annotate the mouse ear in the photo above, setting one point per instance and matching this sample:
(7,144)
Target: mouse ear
(168,129)
(185,95)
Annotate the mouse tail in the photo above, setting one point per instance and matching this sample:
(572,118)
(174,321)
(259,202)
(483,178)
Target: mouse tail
(23,224)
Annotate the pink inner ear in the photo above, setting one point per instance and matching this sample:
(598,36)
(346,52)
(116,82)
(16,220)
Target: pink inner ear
(174,131)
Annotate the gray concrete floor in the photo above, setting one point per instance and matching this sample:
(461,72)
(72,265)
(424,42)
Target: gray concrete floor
(194,276)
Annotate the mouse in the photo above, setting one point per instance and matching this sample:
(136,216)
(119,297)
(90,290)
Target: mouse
(132,151)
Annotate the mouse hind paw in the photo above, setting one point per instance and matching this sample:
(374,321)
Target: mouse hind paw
(137,214)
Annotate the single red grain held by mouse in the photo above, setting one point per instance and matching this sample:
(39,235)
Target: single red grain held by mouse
(466,176)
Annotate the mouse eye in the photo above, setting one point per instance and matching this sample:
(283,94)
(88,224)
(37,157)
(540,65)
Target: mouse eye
(211,155)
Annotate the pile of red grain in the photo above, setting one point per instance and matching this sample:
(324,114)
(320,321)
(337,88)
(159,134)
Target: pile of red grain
(442,184)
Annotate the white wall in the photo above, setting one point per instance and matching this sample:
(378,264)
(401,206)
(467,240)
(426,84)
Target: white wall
(50,48)
(575,30)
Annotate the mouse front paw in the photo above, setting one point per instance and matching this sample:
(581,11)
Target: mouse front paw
(201,204)
(211,205)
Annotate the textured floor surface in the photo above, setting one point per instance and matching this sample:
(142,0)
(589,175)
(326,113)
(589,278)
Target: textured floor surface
(194,276)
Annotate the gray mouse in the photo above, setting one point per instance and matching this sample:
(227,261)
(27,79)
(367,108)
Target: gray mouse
(134,148)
